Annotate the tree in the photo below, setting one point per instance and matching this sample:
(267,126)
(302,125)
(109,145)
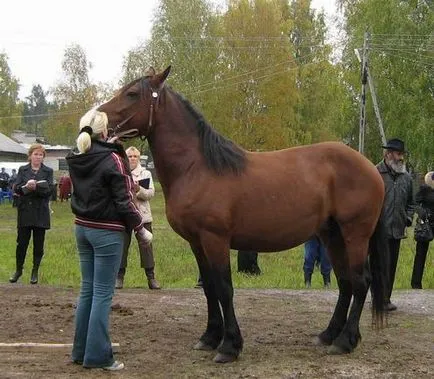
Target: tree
(401,58)
(74,97)
(35,110)
(10,109)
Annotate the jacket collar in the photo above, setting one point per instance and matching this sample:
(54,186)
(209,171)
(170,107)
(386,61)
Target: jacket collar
(28,167)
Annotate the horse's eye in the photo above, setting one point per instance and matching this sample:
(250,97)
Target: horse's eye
(132,95)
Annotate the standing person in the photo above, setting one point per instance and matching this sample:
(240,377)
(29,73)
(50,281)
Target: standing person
(247,261)
(314,251)
(32,190)
(102,202)
(4,179)
(425,200)
(65,187)
(12,179)
(144,189)
(398,205)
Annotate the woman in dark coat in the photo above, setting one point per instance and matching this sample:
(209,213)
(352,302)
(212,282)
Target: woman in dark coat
(425,200)
(32,192)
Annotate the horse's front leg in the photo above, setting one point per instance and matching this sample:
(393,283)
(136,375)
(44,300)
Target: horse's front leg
(217,252)
(213,334)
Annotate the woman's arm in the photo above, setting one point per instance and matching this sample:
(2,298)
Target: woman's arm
(122,192)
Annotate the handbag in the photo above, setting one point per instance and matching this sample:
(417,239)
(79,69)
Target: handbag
(422,230)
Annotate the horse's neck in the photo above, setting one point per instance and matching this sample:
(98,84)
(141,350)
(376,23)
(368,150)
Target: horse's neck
(175,149)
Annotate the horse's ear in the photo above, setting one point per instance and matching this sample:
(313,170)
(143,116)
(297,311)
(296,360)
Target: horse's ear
(163,76)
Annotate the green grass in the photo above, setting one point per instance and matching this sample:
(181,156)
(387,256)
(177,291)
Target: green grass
(175,263)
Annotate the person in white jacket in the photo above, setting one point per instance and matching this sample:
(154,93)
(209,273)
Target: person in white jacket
(144,187)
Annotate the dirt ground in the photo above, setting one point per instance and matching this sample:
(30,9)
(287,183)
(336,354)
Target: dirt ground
(157,329)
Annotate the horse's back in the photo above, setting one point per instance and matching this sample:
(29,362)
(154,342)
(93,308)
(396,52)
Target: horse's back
(290,194)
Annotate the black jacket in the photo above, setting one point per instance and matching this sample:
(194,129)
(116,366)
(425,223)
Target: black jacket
(425,200)
(33,209)
(102,195)
(398,202)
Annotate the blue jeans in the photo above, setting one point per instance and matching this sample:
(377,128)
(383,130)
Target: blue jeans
(314,251)
(100,254)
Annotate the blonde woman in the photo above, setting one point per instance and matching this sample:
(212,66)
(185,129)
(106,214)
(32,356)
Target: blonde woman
(32,193)
(144,188)
(102,202)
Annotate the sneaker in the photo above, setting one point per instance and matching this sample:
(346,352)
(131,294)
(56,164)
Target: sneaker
(115,366)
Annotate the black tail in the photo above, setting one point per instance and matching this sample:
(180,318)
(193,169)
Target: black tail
(379,266)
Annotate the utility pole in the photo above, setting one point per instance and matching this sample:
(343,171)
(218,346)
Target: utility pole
(367,78)
(364,77)
(376,108)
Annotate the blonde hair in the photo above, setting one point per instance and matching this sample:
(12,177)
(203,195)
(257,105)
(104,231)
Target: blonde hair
(133,149)
(98,122)
(429,179)
(33,147)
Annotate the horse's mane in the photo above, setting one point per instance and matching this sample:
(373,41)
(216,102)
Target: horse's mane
(221,155)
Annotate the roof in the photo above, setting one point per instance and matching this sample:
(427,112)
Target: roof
(10,146)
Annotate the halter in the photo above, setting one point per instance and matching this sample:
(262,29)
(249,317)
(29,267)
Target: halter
(131,133)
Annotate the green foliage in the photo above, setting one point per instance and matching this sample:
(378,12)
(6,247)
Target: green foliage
(73,97)
(10,109)
(175,263)
(35,111)
(400,60)
(259,71)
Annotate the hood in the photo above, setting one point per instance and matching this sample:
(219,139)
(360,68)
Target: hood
(83,164)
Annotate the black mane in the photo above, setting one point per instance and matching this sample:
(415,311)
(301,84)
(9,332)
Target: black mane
(221,155)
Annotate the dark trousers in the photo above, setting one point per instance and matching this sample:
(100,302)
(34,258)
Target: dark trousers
(314,251)
(419,263)
(146,254)
(394,246)
(248,262)
(23,239)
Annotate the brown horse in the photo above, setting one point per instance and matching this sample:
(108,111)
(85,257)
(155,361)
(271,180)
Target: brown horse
(219,196)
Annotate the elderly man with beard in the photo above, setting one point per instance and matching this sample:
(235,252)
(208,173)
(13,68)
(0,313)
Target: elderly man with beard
(398,205)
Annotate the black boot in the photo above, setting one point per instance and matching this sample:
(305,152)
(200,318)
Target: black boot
(17,274)
(152,282)
(326,279)
(34,276)
(307,280)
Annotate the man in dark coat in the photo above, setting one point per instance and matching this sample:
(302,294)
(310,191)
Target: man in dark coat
(4,179)
(398,205)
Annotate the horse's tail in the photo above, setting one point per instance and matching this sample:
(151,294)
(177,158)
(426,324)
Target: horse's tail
(379,267)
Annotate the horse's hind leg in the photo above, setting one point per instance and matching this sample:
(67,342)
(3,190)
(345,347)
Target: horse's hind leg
(332,238)
(339,317)
(213,334)
(350,336)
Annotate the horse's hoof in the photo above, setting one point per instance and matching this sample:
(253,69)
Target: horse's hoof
(319,342)
(336,350)
(202,346)
(224,358)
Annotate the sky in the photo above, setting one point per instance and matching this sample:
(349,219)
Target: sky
(35,33)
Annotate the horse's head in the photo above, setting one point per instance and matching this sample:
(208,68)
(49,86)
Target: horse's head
(131,112)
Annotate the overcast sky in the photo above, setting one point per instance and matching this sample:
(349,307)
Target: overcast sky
(35,33)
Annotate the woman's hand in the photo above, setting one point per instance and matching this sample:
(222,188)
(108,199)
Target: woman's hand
(31,184)
(113,139)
